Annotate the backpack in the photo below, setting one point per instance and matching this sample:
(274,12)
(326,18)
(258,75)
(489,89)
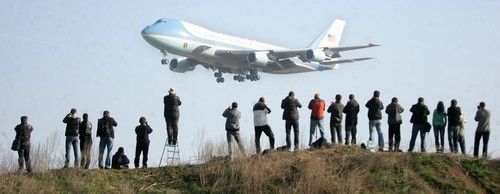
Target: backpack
(105,128)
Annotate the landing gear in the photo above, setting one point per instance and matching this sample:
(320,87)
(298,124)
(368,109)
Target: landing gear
(165,60)
(219,77)
(253,76)
(239,78)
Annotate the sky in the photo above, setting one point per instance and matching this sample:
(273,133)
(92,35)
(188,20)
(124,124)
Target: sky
(56,55)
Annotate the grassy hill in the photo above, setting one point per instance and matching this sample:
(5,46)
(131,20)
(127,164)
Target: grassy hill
(337,169)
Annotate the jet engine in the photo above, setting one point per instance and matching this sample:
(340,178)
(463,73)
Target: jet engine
(258,58)
(181,66)
(317,55)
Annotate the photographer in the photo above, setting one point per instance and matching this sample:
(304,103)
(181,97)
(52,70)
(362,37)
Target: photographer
(142,145)
(233,115)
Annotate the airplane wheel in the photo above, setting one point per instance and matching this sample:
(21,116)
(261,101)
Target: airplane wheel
(235,78)
(221,80)
(248,76)
(163,61)
(257,77)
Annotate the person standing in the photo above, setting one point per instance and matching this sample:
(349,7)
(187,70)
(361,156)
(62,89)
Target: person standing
(23,135)
(483,129)
(142,145)
(439,121)
(454,113)
(106,133)
(85,132)
(336,109)
(290,107)
(419,120)
(233,115)
(461,134)
(317,107)
(375,106)
(171,114)
(351,111)
(260,111)
(72,128)
(394,120)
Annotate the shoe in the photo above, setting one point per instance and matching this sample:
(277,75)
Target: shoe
(101,167)
(106,168)
(136,167)
(65,166)
(381,149)
(144,166)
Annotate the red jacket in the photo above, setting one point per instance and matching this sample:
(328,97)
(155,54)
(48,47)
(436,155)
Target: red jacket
(317,107)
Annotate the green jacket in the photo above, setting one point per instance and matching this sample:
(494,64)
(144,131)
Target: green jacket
(439,119)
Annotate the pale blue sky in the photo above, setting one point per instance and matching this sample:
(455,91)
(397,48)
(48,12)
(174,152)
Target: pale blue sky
(89,55)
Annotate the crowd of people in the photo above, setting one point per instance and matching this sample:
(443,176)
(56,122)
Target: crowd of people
(79,131)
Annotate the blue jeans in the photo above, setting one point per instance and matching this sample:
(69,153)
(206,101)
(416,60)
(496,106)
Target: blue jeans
(414,132)
(375,124)
(105,142)
(453,137)
(314,123)
(72,141)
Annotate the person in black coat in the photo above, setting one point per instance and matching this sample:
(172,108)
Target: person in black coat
(419,120)
(142,145)
(351,111)
(120,160)
(290,107)
(454,113)
(106,132)
(171,114)
(23,136)
(375,107)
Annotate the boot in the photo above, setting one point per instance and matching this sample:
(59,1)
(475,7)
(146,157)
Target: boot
(396,148)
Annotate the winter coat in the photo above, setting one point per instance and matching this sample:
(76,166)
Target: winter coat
(119,160)
(439,119)
(72,125)
(374,106)
(85,129)
(420,112)
(143,132)
(105,127)
(260,111)
(317,107)
(23,134)
(394,111)
(336,109)
(351,111)
(454,115)
(232,119)
(289,106)
(172,103)
(483,119)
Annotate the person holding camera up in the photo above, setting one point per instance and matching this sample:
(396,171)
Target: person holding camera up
(107,134)
(72,140)
(142,145)
(233,115)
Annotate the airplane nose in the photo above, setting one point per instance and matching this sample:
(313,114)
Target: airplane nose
(146,31)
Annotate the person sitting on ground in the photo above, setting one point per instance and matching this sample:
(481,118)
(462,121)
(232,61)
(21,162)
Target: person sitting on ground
(317,107)
(233,115)
(120,160)
(483,129)
(260,111)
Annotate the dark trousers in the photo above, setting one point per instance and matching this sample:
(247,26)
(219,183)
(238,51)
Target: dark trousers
(461,142)
(394,136)
(85,149)
(350,134)
(439,137)
(289,123)
(230,134)
(477,137)
(414,132)
(336,130)
(24,157)
(172,129)
(144,148)
(453,137)
(258,132)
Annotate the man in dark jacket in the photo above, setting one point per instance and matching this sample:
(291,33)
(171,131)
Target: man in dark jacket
(23,135)
(483,129)
(72,128)
(233,115)
(336,110)
(317,107)
(351,111)
(454,113)
(394,120)
(375,106)
(85,131)
(107,134)
(290,107)
(419,120)
(120,160)
(171,114)
(260,111)
(142,145)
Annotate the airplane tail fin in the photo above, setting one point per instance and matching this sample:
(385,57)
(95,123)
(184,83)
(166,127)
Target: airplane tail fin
(330,37)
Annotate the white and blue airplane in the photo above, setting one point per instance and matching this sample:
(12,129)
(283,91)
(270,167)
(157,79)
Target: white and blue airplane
(196,45)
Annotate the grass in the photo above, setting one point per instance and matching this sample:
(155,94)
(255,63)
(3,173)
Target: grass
(334,170)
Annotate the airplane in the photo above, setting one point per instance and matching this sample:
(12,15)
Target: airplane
(222,53)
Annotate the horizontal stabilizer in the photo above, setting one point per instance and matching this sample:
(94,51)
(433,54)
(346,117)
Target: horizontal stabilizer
(334,62)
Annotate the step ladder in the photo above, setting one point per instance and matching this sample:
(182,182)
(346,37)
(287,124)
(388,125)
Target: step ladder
(173,157)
